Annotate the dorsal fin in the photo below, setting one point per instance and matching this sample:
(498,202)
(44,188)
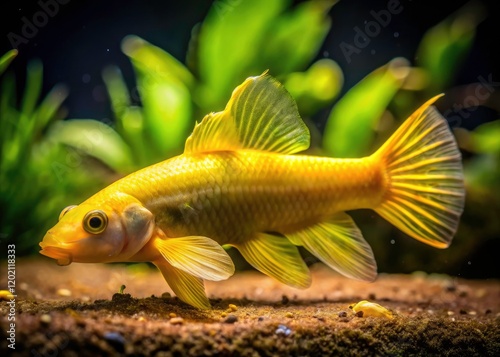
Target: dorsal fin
(260,115)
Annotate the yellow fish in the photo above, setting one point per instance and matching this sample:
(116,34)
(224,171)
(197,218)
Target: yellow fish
(237,183)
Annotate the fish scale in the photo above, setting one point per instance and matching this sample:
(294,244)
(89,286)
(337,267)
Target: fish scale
(263,192)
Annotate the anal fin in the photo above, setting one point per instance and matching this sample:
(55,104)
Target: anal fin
(339,244)
(276,257)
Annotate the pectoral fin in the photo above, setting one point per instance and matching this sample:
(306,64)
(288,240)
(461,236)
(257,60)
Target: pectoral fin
(276,257)
(339,244)
(188,288)
(201,257)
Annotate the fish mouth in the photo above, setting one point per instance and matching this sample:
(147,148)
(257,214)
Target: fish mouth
(62,256)
(51,248)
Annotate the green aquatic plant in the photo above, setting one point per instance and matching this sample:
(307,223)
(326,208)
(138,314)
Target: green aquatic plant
(33,188)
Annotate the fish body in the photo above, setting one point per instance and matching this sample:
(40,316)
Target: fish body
(239,183)
(228,195)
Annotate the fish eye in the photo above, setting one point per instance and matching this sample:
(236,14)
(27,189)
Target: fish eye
(95,222)
(66,210)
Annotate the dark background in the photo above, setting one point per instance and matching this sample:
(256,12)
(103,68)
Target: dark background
(84,36)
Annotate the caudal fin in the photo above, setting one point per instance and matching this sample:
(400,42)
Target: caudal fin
(425,188)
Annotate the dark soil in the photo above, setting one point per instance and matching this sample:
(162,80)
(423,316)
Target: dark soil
(77,311)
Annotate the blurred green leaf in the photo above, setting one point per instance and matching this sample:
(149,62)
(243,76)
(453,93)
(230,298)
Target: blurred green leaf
(163,84)
(49,106)
(96,139)
(295,37)
(118,93)
(8,118)
(6,59)
(229,43)
(132,124)
(317,87)
(156,60)
(32,90)
(486,138)
(167,112)
(445,45)
(349,129)
(481,175)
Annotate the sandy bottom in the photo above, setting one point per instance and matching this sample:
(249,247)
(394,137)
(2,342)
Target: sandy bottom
(78,311)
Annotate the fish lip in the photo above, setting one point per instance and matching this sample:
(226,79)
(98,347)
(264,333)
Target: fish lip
(62,256)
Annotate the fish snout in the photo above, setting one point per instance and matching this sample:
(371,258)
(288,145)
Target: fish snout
(52,248)
(49,240)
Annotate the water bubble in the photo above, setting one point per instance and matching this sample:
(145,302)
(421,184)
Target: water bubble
(393,241)
(469,262)
(396,34)
(373,52)
(326,54)
(86,78)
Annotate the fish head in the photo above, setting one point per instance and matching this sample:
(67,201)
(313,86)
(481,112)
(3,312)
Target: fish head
(98,233)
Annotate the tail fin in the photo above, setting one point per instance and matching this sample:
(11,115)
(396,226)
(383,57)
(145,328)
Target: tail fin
(425,189)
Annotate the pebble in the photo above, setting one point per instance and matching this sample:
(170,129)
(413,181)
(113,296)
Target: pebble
(233,307)
(359,314)
(481,293)
(342,314)
(451,288)
(176,320)
(46,319)
(116,340)
(223,314)
(451,313)
(289,315)
(231,319)
(172,314)
(6,295)
(283,330)
(370,309)
(285,300)
(64,292)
